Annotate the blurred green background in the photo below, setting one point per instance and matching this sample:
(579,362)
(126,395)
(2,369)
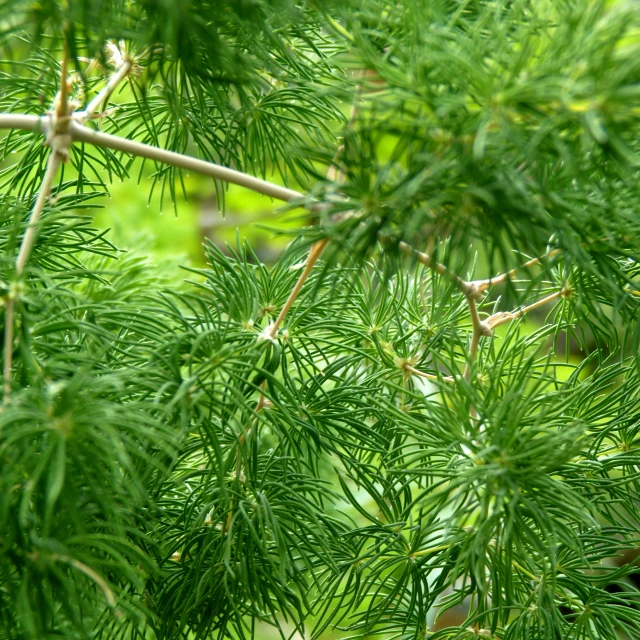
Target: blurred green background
(175,232)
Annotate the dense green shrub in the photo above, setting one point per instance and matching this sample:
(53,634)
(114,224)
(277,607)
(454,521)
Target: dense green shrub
(369,432)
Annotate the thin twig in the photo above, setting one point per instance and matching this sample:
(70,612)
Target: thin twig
(314,255)
(486,327)
(483,285)
(428,376)
(336,175)
(503,317)
(53,162)
(108,89)
(468,288)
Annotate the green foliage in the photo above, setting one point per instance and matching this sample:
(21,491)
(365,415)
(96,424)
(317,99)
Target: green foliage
(175,468)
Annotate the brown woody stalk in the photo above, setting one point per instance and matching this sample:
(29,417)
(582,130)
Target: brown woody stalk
(336,175)
(59,141)
(473,292)
(108,89)
(28,240)
(483,285)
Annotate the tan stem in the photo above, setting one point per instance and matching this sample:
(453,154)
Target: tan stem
(62,104)
(539,303)
(429,376)
(108,89)
(21,121)
(501,318)
(84,134)
(479,330)
(8,347)
(81,133)
(313,257)
(483,285)
(317,248)
(53,162)
(468,288)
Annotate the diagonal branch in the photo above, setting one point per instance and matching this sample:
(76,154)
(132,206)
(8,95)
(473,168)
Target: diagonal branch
(314,255)
(468,288)
(428,376)
(471,292)
(59,141)
(483,285)
(103,95)
(336,175)
(100,139)
(80,133)
(502,317)
(53,162)
(271,331)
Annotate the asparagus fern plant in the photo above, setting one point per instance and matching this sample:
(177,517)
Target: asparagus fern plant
(368,434)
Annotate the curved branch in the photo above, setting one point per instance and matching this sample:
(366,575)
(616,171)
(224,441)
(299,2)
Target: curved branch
(469,289)
(80,133)
(483,285)
(84,134)
(24,252)
(112,84)
(53,162)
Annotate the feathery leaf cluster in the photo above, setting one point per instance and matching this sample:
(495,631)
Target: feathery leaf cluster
(362,443)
